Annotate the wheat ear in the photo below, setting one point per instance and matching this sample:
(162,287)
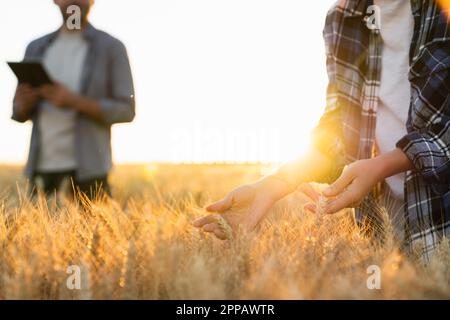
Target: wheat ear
(224,226)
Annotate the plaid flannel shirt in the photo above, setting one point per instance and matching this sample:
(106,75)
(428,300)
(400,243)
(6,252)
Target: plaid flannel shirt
(346,131)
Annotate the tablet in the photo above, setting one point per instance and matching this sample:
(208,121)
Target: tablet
(30,72)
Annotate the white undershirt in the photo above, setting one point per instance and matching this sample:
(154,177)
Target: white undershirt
(396,29)
(64,60)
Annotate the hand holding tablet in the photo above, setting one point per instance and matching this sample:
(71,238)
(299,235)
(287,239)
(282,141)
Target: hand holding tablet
(32,73)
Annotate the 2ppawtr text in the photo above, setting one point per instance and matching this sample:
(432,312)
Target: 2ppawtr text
(227,309)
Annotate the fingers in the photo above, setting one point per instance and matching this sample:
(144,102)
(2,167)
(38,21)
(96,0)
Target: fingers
(219,234)
(26,89)
(340,184)
(26,97)
(209,227)
(214,228)
(50,89)
(56,94)
(201,222)
(22,87)
(222,205)
(46,90)
(308,190)
(52,86)
(45,93)
(310,207)
(345,200)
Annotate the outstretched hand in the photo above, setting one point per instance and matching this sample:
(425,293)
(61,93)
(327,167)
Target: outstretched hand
(244,207)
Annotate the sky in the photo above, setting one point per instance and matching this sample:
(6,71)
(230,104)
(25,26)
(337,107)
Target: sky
(216,80)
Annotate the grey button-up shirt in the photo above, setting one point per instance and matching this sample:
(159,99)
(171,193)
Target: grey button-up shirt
(106,77)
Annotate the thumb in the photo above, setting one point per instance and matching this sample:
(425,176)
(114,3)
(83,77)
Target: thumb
(339,185)
(222,205)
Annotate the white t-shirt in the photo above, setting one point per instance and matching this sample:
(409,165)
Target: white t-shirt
(397,25)
(64,60)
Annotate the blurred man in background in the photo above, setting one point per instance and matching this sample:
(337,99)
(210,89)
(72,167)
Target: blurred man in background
(72,118)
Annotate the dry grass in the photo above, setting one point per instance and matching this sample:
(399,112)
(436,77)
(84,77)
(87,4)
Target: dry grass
(142,246)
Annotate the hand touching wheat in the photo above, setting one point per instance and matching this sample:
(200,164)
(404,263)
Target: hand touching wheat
(317,201)
(243,208)
(234,211)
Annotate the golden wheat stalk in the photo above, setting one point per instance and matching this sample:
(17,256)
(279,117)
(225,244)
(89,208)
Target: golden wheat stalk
(320,205)
(224,226)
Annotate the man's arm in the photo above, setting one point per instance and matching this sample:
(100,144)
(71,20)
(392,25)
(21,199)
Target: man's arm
(61,97)
(120,105)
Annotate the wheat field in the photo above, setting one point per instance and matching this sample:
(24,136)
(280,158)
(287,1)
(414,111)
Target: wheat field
(141,245)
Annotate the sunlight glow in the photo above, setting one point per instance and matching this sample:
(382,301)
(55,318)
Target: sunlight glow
(445,5)
(151,170)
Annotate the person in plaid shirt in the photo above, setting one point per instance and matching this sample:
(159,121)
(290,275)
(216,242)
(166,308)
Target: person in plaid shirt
(377,77)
